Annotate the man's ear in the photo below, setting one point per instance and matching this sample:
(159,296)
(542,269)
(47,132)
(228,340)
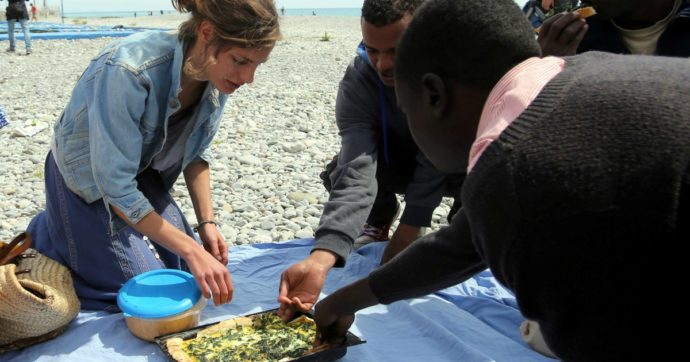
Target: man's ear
(435,94)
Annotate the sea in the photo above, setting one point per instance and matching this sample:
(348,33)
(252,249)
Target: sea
(142,13)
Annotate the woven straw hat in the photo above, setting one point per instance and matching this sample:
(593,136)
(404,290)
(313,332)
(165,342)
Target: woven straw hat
(37,300)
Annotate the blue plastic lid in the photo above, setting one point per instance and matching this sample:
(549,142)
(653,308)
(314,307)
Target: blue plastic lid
(158,293)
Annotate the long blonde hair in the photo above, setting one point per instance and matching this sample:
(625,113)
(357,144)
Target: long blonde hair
(237,23)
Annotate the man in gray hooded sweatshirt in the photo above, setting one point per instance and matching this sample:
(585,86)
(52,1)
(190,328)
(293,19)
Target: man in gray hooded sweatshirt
(377,161)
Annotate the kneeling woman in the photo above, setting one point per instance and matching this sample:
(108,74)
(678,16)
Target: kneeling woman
(145,110)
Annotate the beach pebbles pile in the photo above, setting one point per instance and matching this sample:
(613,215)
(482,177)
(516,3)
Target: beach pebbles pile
(276,135)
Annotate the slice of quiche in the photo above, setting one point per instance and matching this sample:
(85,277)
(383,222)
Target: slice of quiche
(262,337)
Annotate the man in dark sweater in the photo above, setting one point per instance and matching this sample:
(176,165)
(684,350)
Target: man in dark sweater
(648,27)
(378,159)
(578,187)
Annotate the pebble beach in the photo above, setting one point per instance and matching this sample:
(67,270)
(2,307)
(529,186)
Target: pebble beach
(276,135)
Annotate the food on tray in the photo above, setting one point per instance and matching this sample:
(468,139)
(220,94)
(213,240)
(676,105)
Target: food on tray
(261,337)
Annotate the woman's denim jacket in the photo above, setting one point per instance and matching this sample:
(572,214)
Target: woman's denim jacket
(116,122)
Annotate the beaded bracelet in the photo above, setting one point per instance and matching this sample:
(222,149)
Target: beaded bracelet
(196,228)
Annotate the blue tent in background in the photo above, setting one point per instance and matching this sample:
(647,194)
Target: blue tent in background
(49,31)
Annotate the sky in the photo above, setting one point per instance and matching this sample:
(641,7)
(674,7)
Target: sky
(140,5)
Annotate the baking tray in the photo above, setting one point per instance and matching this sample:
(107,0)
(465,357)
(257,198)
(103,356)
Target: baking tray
(326,355)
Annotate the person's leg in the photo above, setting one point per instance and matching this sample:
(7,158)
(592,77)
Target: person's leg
(80,238)
(391,181)
(27,35)
(386,205)
(10,35)
(383,213)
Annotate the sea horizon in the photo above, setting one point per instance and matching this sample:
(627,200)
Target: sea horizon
(144,13)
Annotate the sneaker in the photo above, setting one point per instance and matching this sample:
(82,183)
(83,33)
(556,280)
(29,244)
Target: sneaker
(28,51)
(371,234)
(10,50)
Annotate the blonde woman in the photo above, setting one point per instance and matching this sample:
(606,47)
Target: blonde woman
(145,111)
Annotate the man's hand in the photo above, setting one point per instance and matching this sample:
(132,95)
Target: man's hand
(561,34)
(403,236)
(335,314)
(214,242)
(300,285)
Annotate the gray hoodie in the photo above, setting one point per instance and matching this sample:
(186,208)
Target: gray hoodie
(354,186)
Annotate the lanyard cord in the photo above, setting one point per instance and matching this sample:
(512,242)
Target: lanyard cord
(384,122)
(361,51)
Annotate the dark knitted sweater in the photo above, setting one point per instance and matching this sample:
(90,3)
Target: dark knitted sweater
(580,199)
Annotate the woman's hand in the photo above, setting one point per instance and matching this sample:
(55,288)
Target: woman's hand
(212,277)
(214,242)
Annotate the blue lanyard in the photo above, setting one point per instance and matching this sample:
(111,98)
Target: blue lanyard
(361,51)
(384,121)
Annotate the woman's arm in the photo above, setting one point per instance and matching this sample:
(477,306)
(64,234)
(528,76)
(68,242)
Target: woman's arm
(212,277)
(197,175)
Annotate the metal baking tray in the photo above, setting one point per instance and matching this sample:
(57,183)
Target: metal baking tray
(326,355)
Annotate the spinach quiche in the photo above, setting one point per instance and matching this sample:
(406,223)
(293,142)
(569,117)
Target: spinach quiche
(261,337)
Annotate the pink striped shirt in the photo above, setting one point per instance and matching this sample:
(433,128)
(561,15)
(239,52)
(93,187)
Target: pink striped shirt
(510,97)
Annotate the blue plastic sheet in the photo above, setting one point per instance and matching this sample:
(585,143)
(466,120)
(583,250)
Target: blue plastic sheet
(474,321)
(51,31)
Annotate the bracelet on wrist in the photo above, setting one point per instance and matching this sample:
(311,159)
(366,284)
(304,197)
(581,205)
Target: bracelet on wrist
(202,223)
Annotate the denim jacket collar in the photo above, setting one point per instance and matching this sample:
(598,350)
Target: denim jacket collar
(116,121)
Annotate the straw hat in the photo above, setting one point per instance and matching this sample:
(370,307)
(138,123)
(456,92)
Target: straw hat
(37,300)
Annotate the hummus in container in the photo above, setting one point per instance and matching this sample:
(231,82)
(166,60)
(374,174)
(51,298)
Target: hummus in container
(160,302)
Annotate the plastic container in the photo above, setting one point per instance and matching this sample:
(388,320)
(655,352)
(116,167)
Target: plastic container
(160,302)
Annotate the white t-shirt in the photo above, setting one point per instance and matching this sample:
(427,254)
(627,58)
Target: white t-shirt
(643,41)
(169,159)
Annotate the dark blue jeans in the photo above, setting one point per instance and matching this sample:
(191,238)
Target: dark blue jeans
(78,235)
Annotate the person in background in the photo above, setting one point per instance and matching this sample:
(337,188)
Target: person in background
(144,111)
(16,12)
(578,185)
(378,159)
(648,27)
(34,10)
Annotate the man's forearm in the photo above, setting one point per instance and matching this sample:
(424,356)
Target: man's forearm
(324,257)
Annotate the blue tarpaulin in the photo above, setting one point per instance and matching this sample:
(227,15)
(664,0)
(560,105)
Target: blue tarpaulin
(52,31)
(475,321)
